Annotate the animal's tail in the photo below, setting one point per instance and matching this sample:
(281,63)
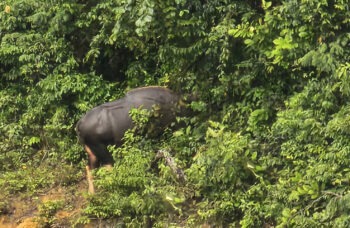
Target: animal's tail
(77,130)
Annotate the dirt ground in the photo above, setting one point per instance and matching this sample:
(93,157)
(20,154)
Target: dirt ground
(26,213)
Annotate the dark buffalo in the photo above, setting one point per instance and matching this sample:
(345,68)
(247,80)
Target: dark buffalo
(106,124)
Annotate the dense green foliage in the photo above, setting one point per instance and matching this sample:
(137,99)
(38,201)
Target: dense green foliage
(269,141)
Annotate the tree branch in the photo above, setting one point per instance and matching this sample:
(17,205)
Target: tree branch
(170,161)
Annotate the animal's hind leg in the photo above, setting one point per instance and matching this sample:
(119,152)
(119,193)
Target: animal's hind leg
(92,164)
(90,180)
(93,160)
(98,155)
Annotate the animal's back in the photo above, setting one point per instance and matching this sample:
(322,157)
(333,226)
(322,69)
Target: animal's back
(164,100)
(148,90)
(109,121)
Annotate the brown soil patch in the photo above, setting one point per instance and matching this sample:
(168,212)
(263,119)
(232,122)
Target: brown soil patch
(19,210)
(24,213)
(28,223)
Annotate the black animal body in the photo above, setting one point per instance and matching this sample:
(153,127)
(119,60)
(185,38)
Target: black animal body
(106,124)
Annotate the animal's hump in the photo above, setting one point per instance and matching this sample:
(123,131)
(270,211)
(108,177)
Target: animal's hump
(148,88)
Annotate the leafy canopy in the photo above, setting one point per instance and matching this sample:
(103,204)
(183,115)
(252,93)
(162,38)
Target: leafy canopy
(267,144)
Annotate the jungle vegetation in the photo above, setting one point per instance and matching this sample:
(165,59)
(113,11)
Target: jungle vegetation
(268,143)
